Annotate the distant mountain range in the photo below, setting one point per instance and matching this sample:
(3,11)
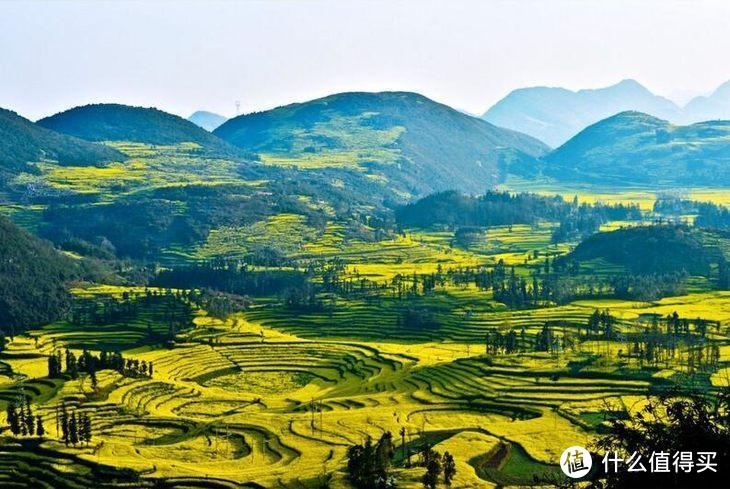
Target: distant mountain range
(395,145)
(554,115)
(207,120)
(23,142)
(116,122)
(712,107)
(636,148)
(411,143)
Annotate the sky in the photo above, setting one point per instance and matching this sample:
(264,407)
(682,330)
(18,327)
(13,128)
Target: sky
(182,56)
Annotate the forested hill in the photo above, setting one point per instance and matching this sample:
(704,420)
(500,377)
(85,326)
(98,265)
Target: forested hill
(468,214)
(636,148)
(654,249)
(32,275)
(452,209)
(116,122)
(22,141)
(413,144)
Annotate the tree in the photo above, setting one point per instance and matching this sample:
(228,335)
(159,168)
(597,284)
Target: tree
(40,430)
(65,425)
(433,470)
(544,339)
(86,428)
(28,418)
(13,419)
(71,364)
(449,468)
(384,451)
(368,465)
(94,381)
(73,429)
(681,422)
(403,442)
(54,366)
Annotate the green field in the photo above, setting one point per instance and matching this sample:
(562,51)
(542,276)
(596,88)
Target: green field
(273,397)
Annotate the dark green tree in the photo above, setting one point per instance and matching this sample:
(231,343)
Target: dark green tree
(449,468)
(433,471)
(73,429)
(40,429)
(13,418)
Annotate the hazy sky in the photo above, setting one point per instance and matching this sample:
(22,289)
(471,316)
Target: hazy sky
(182,56)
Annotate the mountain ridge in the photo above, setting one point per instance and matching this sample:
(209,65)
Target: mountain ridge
(636,148)
(413,142)
(554,114)
(23,141)
(119,122)
(207,120)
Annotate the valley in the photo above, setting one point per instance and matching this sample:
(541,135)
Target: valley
(243,315)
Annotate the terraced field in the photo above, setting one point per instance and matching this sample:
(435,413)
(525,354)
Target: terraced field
(250,400)
(273,396)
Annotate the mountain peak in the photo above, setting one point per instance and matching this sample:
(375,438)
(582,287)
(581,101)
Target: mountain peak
(207,120)
(632,147)
(630,83)
(554,115)
(118,122)
(634,115)
(24,142)
(722,91)
(711,107)
(398,137)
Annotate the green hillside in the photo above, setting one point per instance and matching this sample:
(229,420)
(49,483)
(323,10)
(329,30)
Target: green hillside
(654,249)
(32,275)
(636,148)
(22,142)
(408,141)
(116,122)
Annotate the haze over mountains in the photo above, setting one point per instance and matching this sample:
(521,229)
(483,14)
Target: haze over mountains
(554,115)
(714,106)
(395,146)
(207,120)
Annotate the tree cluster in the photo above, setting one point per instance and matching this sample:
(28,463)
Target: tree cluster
(368,465)
(679,422)
(75,426)
(455,210)
(21,419)
(89,364)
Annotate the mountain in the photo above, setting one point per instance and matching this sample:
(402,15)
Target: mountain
(22,141)
(554,115)
(116,122)
(715,106)
(636,148)
(32,275)
(411,143)
(207,120)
